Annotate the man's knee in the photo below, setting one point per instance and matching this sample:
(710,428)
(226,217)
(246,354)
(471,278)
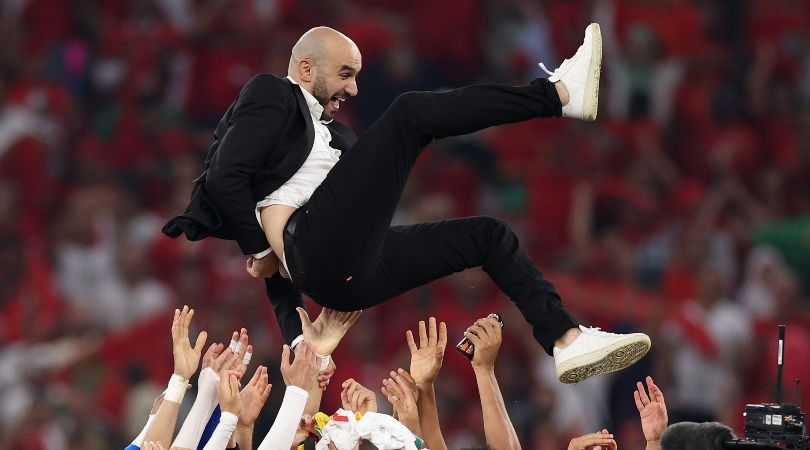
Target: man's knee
(409,101)
(496,227)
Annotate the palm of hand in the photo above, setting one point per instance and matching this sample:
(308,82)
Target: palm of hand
(323,335)
(251,405)
(186,359)
(425,364)
(653,420)
(322,338)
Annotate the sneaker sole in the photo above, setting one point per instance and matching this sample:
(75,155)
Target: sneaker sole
(591,100)
(612,358)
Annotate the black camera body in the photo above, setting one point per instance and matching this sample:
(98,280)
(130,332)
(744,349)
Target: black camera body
(779,425)
(774,425)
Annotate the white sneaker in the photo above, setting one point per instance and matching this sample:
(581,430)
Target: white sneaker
(580,75)
(596,352)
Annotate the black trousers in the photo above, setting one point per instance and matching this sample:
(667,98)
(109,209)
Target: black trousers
(343,252)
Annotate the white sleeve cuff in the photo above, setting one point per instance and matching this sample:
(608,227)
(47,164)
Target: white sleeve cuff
(204,405)
(223,432)
(296,341)
(282,432)
(138,442)
(261,255)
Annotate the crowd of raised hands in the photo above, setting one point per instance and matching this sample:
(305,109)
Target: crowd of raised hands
(226,407)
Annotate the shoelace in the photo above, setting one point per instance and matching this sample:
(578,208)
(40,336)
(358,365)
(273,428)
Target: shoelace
(564,66)
(597,330)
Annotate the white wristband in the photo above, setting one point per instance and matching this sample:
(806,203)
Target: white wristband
(324,360)
(176,389)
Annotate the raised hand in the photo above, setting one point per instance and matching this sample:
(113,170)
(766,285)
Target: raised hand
(303,370)
(186,357)
(254,396)
(652,409)
(212,354)
(228,392)
(357,398)
(226,360)
(601,440)
(400,394)
(485,334)
(426,359)
(324,335)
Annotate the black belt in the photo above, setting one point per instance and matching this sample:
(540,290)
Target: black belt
(292,254)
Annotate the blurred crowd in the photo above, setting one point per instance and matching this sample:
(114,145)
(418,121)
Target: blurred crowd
(683,211)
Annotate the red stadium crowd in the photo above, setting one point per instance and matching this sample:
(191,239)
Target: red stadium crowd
(683,211)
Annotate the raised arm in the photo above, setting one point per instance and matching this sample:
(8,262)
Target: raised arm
(426,360)
(652,410)
(485,334)
(186,361)
(253,397)
(300,377)
(217,360)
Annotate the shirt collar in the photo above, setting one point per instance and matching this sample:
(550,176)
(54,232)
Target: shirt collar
(315,107)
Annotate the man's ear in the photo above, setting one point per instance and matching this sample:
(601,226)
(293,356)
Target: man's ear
(306,70)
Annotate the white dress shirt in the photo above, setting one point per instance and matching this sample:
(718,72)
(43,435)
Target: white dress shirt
(298,189)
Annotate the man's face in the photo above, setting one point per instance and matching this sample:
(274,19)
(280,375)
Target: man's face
(335,79)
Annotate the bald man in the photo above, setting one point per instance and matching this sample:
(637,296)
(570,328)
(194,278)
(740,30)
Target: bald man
(311,205)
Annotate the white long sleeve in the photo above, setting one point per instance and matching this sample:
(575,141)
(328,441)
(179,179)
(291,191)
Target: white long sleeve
(223,431)
(201,410)
(282,432)
(138,442)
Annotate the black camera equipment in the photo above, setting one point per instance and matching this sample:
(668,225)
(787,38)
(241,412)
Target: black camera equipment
(774,425)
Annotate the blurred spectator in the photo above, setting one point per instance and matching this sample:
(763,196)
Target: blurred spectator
(685,204)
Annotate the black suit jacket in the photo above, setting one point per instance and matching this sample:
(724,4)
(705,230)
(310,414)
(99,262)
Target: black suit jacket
(260,143)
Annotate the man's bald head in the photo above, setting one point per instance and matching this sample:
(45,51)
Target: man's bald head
(325,63)
(316,44)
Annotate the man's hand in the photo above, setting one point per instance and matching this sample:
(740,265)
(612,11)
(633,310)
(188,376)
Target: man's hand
(239,345)
(262,268)
(303,370)
(485,334)
(601,440)
(186,357)
(228,393)
(324,335)
(400,394)
(426,360)
(652,409)
(355,397)
(324,376)
(213,352)
(253,397)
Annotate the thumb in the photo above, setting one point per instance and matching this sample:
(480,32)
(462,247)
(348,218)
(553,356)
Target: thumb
(304,316)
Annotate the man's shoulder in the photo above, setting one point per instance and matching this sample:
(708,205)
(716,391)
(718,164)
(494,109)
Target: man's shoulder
(267,82)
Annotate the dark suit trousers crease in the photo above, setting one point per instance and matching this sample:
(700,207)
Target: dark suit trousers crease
(354,259)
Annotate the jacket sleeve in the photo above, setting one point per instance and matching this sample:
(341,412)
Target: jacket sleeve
(285,298)
(253,129)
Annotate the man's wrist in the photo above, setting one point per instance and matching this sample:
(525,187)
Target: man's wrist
(483,369)
(176,389)
(653,445)
(262,254)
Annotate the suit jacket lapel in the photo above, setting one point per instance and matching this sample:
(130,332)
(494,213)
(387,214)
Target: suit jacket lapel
(304,109)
